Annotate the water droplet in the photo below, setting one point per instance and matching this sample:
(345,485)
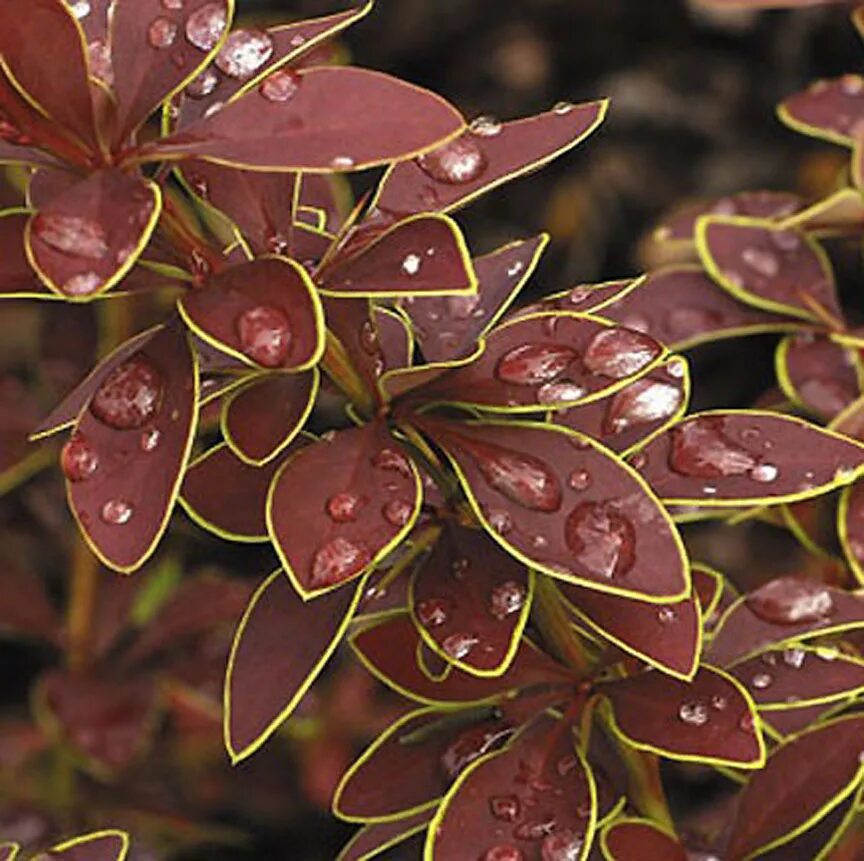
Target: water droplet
(764,473)
(398,512)
(162,33)
(485,127)
(534,364)
(342,162)
(82,285)
(794,657)
(506,598)
(761,681)
(99,61)
(580,479)
(244,52)
(562,108)
(640,403)
(666,615)
(454,163)
(470,745)
(71,234)
(761,261)
(459,646)
(391,459)
(344,507)
(203,85)
(700,448)
(747,722)
(172,5)
(786,240)
(694,713)
(213,109)
(505,807)
(205,26)
(563,845)
(130,395)
(79,8)
(602,539)
(791,601)
(280,86)
(514,269)
(117,512)
(500,521)
(433,612)
(77,459)
(338,560)
(149,440)
(265,335)
(411,264)
(618,352)
(297,40)
(504,852)
(719,702)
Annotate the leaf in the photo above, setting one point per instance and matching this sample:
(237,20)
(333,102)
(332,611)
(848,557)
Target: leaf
(108,845)
(264,313)
(828,109)
(263,417)
(376,837)
(317,120)
(772,268)
(634,839)
(395,337)
(539,789)
(9,851)
(280,647)
(17,278)
(448,328)
(388,649)
(800,676)
(682,307)
(360,498)
(355,343)
(84,241)
(667,637)
(780,612)
(129,450)
(726,458)
(422,254)
(783,723)
(803,780)
(558,501)
(547,360)
(708,586)
(636,413)
(841,212)
(586,298)
(483,159)
(710,719)
(470,601)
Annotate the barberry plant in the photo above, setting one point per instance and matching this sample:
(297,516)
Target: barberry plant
(488,501)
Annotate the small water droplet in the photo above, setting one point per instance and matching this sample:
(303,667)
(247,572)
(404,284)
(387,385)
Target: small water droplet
(162,33)
(694,713)
(701,449)
(719,702)
(794,657)
(149,440)
(580,479)
(130,395)
(297,40)
(459,646)
(602,539)
(172,5)
(786,240)
(641,402)
(533,364)
(342,162)
(562,845)
(411,264)
(203,85)
(82,285)
(99,61)
(433,612)
(514,269)
(78,460)
(456,162)
(265,335)
(764,473)
(117,512)
(79,8)
(761,681)
(500,521)
(761,261)
(505,807)
(244,52)
(338,560)
(504,852)
(666,615)
(71,234)
(344,507)
(747,722)
(619,352)
(791,600)
(280,86)
(562,108)
(205,26)
(506,598)
(485,127)
(391,459)
(686,322)
(398,512)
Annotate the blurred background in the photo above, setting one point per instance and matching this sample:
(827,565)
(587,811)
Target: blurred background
(692,114)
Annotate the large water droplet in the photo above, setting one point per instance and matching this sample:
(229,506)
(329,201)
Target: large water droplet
(560,392)
(265,335)
(602,539)
(82,284)
(563,845)
(761,261)
(640,403)
(162,33)
(504,852)
(764,473)
(459,646)
(506,598)
(280,86)
(485,127)
(694,713)
(130,395)
(392,459)
(71,234)
(344,507)
(337,560)
(791,601)
(117,512)
(203,85)
(701,449)
(77,459)
(618,353)
(205,26)
(397,512)
(433,612)
(456,162)
(533,364)
(244,52)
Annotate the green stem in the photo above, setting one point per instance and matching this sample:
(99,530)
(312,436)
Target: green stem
(551,617)
(338,367)
(81,608)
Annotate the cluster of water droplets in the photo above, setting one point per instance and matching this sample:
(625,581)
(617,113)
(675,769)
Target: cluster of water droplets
(698,712)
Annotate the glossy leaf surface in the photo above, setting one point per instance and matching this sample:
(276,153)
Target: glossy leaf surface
(828,109)
(634,839)
(375,837)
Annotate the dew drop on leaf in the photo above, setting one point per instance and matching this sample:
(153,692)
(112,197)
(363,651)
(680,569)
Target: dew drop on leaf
(469,745)
(563,845)
(342,162)
(79,8)
(202,85)
(701,449)
(454,163)
(244,52)
(580,479)
(560,392)
(505,807)
(791,601)
(99,61)
(433,612)
(391,459)
(78,460)
(82,284)
(641,402)
(265,335)
(500,521)
(506,598)
(618,353)
(162,33)
(485,127)
(150,439)
(459,646)
(344,507)
(761,261)
(666,615)
(411,264)
(794,657)
(280,86)
(130,395)
(761,681)
(503,853)
(562,108)
(463,307)
(337,560)
(172,5)
(71,234)
(602,539)
(397,512)
(764,473)
(117,512)
(205,26)
(694,713)
(534,364)
(719,702)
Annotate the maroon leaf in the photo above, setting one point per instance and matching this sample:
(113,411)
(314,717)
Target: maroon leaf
(264,313)
(635,839)
(804,779)
(537,798)
(777,269)
(376,837)
(17,278)
(708,587)
(424,254)
(271,667)
(586,298)
(84,241)
(790,721)
(320,119)
(546,360)
(850,526)
(667,637)
(125,460)
(25,608)
(448,328)
(709,719)
(484,157)
(108,845)
(394,337)
(828,109)
(558,502)
(470,601)
(260,419)
(636,413)
(781,612)
(681,306)
(360,497)
(388,649)
(728,458)
(839,213)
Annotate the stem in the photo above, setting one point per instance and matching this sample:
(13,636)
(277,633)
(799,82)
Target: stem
(551,617)
(338,367)
(420,544)
(82,603)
